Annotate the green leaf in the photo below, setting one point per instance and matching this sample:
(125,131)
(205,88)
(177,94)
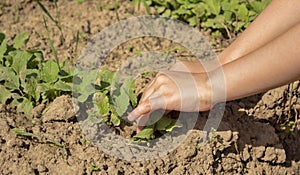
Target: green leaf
(25,106)
(49,72)
(102,103)
(163,123)
(30,87)
(121,103)
(4,95)
(45,10)
(3,49)
(12,81)
(243,12)
(228,16)
(83,97)
(230,5)
(167,13)
(115,120)
(85,87)
(160,9)
(192,21)
(214,6)
(63,86)
(43,87)
(174,124)
(258,6)
(129,86)
(21,39)
(145,135)
(20,61)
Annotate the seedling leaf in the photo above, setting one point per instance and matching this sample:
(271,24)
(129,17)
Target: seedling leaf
(21,39)
(4,95)
(102,103)
(145,135)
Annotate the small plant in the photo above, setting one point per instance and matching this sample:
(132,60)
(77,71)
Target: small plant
(160,124)
(223,17)
(288,128)
(113,99)
(94,167)
(27,79)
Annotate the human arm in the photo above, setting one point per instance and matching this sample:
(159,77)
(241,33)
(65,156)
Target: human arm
(270,66)
(278,17)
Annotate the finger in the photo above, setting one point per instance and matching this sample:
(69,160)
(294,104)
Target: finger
(154,102)
(142,122)
(141,109)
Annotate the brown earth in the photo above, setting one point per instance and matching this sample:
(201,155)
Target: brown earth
(253,138)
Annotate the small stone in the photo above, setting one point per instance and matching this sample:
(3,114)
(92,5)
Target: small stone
(270,155)
(226,135)
(258,152)
(245,154)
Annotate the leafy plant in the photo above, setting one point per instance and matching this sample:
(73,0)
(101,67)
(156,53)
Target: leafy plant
(112,100)
(161,124)
(223,17)
(27,79)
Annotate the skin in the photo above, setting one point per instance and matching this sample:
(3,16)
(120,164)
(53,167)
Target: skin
(265,56)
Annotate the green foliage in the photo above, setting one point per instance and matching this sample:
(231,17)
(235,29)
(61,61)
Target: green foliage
(161,124)
(112,99)
(26,78)
(223,17)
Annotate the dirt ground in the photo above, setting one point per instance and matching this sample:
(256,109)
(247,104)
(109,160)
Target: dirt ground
(254,136)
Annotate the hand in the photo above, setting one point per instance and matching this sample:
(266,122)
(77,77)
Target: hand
(173,90)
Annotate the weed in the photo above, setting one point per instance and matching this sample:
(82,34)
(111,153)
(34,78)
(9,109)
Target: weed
(84,141)
(41,138)
(288,128)
(29,80)
(57,20)
(223,17)
(94,167)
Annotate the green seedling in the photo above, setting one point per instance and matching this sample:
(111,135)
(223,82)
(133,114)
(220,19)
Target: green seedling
(162,124)
(288,127)
(27,79)
(94,167)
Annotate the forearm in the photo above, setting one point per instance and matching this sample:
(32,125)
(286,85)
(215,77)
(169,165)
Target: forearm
(277,18)
(270,66)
